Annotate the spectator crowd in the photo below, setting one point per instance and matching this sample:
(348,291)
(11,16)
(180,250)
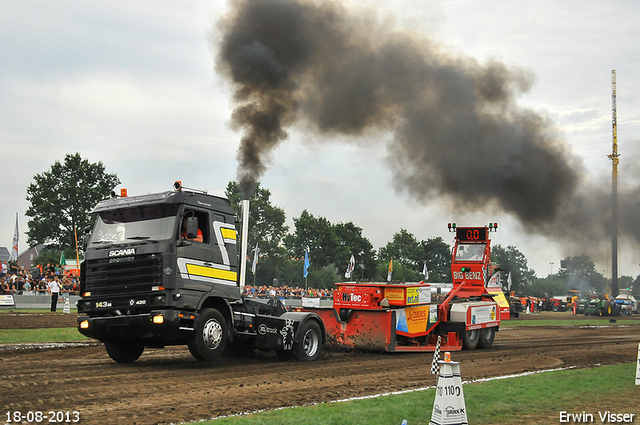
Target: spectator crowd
(17,280)
(285,292)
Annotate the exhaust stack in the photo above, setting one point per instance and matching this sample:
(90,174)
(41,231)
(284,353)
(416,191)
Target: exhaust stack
(244,240)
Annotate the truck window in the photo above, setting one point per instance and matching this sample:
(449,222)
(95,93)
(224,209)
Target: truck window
(470,252)
(140,223)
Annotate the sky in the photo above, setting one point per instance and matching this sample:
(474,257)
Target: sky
(134,85)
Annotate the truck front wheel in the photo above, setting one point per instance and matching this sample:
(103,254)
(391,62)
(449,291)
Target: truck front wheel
(309,343)
(124,351)
(210,336)
(471,338)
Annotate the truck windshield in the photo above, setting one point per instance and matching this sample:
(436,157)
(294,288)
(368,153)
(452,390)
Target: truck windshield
(155,222)
(470,252)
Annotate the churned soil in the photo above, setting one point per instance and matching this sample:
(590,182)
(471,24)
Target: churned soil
(16,320)
(169,386)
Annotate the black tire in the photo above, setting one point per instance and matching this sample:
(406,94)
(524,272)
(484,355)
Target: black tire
(345,314)
(486,337)
(309,344)
(470,339)
(210,336)
(124,351)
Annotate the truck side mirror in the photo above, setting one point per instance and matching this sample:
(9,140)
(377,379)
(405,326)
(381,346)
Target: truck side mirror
(85,241)
(192,227)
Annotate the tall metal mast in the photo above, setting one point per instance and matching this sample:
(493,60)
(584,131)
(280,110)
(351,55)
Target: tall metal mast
(614,189)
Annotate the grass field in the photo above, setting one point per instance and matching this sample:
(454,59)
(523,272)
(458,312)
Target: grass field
(32,336)
(586,321)
(533,399)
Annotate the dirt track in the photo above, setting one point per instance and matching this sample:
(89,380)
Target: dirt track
(168,385)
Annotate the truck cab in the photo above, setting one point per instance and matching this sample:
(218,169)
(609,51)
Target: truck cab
(162,269)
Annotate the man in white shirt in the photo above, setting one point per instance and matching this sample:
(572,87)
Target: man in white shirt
(54,287)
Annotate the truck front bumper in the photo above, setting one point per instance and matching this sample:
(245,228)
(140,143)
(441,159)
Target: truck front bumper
(157,327)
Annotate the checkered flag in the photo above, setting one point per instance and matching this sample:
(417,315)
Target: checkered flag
(435,367)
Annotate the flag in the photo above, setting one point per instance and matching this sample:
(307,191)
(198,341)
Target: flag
(63,261)
(255,259)
(390,270)
(305,271)
(350,267)
(14,247)
(509,282)
(425,271)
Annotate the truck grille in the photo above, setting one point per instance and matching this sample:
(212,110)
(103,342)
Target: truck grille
(123,275)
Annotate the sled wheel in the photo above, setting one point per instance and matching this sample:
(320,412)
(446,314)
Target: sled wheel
(210,336)
(470,339)
(486,337)
(124,351)
(345,314)
(309,344)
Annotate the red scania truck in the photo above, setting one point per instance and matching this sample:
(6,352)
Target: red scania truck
(411,316)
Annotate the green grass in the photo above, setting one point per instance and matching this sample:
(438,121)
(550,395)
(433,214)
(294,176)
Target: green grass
(20,336)
(589,320)
(530,399)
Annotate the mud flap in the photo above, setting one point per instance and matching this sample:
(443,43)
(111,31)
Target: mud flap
(365,330)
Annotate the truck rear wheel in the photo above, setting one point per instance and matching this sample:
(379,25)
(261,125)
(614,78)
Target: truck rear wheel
(124,351)
(210,336)
(309,344)
(470,338)
(486,337)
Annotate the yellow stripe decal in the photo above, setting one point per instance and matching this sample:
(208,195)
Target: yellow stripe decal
(228,233)
(203,271)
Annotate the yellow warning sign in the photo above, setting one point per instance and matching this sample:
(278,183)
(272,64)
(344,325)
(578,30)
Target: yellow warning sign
(498,296)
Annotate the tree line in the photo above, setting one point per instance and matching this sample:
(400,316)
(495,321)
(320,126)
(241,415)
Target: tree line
(62,198)
(330,247)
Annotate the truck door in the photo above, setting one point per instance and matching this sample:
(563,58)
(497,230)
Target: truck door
(207,263)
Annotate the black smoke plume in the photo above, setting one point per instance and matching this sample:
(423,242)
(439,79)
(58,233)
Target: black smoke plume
(458,131)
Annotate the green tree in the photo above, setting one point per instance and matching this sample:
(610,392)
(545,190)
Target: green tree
(401,272)
(437,254)
(62,199)
(323,277)
(579,272)
(316,234)
(511,260)
(404,249)
(352,242)
(552,286)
